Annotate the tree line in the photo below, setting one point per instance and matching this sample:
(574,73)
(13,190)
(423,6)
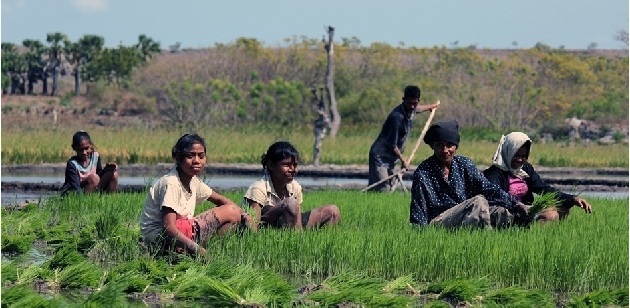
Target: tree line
(246,82)
(86,59)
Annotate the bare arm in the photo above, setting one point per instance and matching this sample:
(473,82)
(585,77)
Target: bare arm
(219,199)
(274,212)
(577,201)
(257,208)
(404,162)
(423,108)
(169,216)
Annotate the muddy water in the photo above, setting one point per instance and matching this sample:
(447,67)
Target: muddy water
(219,182)
(223,182)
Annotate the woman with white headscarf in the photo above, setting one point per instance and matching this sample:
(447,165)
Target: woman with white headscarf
(511,171)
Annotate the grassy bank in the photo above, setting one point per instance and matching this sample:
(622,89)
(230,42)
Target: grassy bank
(126,145)
(88,247)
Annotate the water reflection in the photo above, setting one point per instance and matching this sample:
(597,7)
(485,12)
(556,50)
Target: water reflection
(221,182)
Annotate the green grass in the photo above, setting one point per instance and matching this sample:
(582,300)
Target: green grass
(91,243)
(126,145)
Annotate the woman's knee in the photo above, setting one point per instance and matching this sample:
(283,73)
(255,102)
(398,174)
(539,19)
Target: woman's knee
(93,179)
(228,213)
(333,212)
(550,215)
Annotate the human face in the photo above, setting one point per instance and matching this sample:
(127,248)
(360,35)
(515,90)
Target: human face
(410,104)
(283,172)
(444,151)
(84,149)
(194,161)
(519,158)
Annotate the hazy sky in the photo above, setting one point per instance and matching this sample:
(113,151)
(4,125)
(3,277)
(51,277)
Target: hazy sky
(574,24)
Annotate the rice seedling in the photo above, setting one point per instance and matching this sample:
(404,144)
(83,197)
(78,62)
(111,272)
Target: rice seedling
(349,147)
(373,248)
(356,289)
(152,271)
(601,298)
(459,290)
(16,244)
(110,295)
(193,285)
(516,297)
(64,256)
(25,296)
(543,202)
(80,275)
(9,272)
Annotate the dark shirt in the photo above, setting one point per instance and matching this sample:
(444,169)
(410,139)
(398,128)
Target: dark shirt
(394,133)
(535,185)
(431,194)
(73,179)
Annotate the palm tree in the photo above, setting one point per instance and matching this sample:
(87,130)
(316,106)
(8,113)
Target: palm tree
(55,39)
(34,63)
(147,47)
(13,65)
(81,53)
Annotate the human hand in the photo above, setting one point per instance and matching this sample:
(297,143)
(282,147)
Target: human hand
(248,222)
(521,209)
(110,167)
(577,201)
(195,249)
(404,165)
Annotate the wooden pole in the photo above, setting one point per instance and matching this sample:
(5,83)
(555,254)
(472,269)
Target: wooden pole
(413,153)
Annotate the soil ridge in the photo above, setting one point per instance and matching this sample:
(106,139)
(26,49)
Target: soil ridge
(578,179)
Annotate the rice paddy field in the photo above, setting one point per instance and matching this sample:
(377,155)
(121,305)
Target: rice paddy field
(83,251)
(128,145)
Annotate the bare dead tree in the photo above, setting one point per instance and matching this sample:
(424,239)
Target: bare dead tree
(330,87)
(322,123)
(622,36)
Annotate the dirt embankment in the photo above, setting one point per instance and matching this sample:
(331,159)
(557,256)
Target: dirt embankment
(580,179)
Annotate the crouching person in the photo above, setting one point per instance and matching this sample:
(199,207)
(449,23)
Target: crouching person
(167,222)
(276,199)
(448,190)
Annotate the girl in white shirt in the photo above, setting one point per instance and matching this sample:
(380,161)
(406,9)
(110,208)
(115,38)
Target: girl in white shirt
(276,199)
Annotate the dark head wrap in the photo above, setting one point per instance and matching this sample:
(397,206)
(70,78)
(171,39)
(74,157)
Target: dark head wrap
(446,131)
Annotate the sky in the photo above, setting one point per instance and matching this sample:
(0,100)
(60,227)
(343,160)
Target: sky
(492,24)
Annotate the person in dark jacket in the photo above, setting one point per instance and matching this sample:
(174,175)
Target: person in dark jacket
(388,147)
(511,171)
(448,190)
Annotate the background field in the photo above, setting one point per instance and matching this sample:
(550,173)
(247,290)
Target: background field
(127,145)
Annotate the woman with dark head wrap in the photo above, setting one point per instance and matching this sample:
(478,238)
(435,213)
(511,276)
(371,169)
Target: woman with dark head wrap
(448,190)
(511,171)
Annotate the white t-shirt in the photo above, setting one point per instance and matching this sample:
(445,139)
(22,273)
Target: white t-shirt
(263,193)
(169,191)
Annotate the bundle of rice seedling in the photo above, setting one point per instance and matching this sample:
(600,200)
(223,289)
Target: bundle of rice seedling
(356,289)
(517,297)
(195,285)
(543,202)
(459,290)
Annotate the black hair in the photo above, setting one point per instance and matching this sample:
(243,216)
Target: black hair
(277,152)
(80,136)
(412,92)
(184,145)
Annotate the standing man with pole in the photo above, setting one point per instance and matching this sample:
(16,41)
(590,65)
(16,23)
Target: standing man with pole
(390,143)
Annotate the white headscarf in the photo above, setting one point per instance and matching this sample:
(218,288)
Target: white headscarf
(508,146)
